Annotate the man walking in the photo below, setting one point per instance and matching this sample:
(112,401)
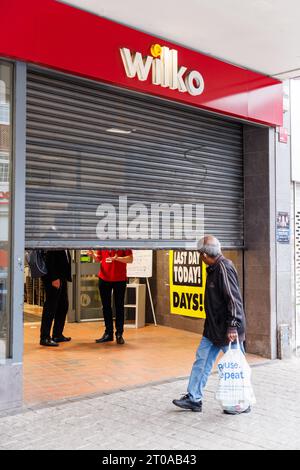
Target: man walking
(225,320)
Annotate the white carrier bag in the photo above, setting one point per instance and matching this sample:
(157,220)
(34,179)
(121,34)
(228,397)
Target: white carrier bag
(235,392)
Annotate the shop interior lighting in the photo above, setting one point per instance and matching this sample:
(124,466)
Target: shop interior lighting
(115,130)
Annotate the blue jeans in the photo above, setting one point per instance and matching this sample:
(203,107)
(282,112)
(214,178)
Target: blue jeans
(206,355)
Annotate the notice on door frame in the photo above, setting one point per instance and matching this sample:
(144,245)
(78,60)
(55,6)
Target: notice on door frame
(187,283)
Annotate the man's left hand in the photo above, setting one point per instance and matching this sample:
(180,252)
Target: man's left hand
(232,336)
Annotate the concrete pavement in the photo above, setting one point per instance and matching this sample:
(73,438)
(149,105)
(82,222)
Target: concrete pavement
(145,418)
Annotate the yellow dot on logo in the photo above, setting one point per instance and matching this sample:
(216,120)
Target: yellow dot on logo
(155,50)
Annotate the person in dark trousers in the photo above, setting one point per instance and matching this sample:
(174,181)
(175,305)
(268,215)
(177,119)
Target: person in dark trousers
(225,321)
(56,306)
(112,278)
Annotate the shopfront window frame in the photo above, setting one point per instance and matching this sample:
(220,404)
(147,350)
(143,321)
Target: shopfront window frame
(10,159)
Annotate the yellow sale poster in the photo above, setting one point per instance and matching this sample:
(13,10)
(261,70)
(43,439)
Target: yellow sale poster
(187,283)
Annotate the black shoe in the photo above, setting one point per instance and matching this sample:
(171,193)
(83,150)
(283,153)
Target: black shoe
(120,339)
(106,337)
(61,339)
(237,412)
(48,342)
(187,404)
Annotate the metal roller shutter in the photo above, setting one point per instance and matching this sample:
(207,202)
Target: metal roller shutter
(167,153)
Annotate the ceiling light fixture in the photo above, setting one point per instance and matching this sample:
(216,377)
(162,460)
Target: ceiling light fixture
(115,130)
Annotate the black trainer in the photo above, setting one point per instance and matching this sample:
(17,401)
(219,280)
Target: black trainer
(237,412)
(106,337)
(48,342)
(187,404)
(61,339)
(120,339)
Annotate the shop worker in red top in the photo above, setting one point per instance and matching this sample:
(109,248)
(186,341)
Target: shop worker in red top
(112,278)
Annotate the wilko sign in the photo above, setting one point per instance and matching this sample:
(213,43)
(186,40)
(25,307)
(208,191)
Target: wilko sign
(214,86)
(163,63)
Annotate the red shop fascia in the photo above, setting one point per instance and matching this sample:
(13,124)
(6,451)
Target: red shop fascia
(60,37)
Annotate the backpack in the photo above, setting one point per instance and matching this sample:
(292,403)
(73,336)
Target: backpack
(36,260)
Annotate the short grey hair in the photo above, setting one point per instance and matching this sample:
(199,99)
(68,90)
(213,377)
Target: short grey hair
(210,245)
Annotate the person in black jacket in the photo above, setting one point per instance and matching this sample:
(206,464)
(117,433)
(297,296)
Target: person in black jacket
(56,306)
(225,320)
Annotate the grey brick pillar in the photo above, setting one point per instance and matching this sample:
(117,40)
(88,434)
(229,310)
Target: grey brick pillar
(267,266)
(259,267)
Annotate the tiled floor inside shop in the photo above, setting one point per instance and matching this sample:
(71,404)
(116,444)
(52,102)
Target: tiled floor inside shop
(82,367)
